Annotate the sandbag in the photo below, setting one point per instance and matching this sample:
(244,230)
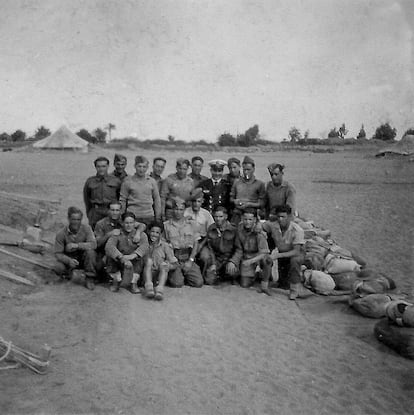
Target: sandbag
(395,310)
(401,339)
(314,261)
(371,274)
(345,280)
(334,265)
(372,305)
(361,288)
(408,316)
(319,281)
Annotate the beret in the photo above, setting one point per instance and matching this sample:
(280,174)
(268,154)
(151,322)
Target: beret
(196,193)
(233,160)
(248,160)
(119,157)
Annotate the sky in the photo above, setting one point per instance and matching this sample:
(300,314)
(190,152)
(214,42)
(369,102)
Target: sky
(195,69)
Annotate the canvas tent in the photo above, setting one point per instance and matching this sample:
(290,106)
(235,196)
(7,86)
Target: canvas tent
(62,139)
(404,147)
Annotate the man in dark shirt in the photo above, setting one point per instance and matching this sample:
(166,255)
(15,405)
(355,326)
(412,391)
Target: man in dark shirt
(99,191)
(75,246)
(233,165)
(216,190)
(158,166)
(120,163)
(220,247)
(197,164)
(251,250)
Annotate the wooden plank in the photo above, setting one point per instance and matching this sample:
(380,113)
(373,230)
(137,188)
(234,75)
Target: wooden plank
(9,229)
(28,197)
(15,278)
(23,258)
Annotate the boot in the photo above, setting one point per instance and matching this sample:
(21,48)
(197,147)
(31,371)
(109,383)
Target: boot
(294,291)
(159,295)
(114,286)
(149,290)
(134,288)
(264,288)
(90,284)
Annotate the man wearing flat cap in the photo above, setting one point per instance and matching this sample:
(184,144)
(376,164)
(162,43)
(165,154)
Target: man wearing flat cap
(120,163)
(278,191)
(182,236)
(233,165)
(176,184)
(197,164)
(216,190)
(247,192)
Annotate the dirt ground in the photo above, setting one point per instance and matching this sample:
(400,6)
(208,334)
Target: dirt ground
(215,350)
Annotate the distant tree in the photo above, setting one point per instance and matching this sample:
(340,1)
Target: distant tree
(86,135)
(18,135)
(171,138)
(362,133)
(385,132)
(100,135)
(41,132)
(333,133)
(410,131)
(295,135)
(342,132)
(306,135)
(226,140)
(110,127)
(249,138)
(5,137)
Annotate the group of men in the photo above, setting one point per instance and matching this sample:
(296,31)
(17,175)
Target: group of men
(146,231)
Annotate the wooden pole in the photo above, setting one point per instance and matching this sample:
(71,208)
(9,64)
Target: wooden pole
(15,278)
(31,261)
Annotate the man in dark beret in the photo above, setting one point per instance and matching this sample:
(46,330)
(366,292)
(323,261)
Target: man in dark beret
(120,163)
(233,165)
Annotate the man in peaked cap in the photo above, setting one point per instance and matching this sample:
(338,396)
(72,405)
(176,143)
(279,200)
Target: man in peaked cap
(247,192)
(216,189)
(176,184)
(120,162)
(278,191)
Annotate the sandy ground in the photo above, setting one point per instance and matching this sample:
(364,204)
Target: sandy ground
(222,350)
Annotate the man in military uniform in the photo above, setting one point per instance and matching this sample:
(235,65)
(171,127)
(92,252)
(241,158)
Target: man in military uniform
(158,166)
(233,165)
(278,191)
(99,191)
(120,163)
(182,235)
(216,190)
(220,247)
(75,246)
(247,192)
(176,184)
(197,164)
(251,250)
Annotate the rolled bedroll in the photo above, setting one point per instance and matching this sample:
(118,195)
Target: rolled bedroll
(400,339)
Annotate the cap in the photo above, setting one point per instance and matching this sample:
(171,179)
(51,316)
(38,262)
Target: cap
(233,160)
(196,193)
(141,159)
(217,164)
(181,161)
(176,201)
(273,166)
(248,160)
(119,157)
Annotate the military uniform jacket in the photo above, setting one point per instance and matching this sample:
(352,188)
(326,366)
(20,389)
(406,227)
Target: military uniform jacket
(215,195)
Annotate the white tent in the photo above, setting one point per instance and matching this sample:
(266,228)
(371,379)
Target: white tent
(62,139)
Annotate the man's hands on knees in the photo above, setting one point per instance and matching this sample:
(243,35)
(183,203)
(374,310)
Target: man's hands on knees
(231,269)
